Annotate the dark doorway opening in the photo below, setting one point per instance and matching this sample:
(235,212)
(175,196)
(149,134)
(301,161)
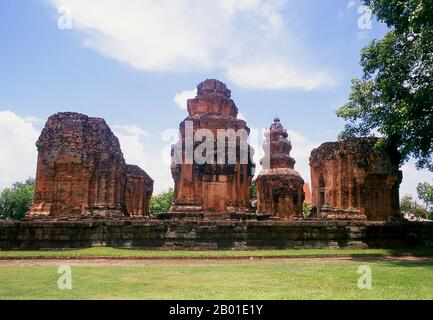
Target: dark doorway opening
(322,194)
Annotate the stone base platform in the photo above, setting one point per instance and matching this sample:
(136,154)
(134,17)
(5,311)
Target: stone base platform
(213,234)
(213,216)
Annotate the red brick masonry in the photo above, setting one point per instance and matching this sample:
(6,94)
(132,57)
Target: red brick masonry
(211,188)
(81,172)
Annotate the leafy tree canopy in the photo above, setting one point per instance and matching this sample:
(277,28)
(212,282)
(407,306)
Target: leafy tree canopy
(409,206)
(16,201)
(425,193)
(395,95)
(253,190)
(162,202)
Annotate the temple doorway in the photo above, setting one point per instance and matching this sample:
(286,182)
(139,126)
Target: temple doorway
(322,194)
(213,197)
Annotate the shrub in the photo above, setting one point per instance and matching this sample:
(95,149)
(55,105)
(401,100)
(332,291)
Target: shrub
(162,202)
(16,201)
(409,206)
(306,209)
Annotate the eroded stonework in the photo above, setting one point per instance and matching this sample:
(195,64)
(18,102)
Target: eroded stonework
(80,170)
(280,188)
(139,189)
(213,235)
(211,187)
(352,181)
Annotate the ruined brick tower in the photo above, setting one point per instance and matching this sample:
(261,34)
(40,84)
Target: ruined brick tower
(139,189)
(280,189)
(217,185)
(81,171)
(350,180)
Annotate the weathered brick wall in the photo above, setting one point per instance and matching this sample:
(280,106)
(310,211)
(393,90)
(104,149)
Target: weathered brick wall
(213,235)
(352,180)
(139,189)
(81,172)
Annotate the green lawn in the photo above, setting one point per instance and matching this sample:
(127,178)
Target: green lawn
(126,253)
(296,279)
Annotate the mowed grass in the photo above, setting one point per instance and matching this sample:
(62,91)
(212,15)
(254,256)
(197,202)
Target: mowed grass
(296,279)
(134,253)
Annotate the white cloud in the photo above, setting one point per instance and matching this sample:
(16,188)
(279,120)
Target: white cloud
(32,119)
(273,75)
(139,149)
(181,98)
(131,145)
(229,36)
(351,4)
(411,178)
(131,130)
(18,153)
(302,147)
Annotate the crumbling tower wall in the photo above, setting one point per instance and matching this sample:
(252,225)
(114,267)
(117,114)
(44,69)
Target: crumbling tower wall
(351,180)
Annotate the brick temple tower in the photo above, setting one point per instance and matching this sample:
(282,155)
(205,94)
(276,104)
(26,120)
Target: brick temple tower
(280,189)
(351,180)
(221,183)
(81,172)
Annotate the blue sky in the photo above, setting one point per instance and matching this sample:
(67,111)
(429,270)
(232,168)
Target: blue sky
(126,61)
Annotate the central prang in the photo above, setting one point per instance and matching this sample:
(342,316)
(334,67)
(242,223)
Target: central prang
(212,164)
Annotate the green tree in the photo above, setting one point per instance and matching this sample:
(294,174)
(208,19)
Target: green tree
(395,95)
(306,209)
(253,190)
(16,201)
(409,206)
(162,202)
(425,193)
(253,196)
